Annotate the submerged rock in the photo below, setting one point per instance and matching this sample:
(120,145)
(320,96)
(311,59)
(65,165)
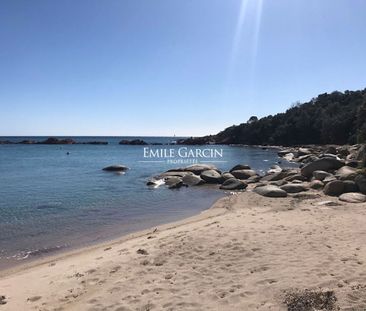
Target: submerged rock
(233,184)
(115,168)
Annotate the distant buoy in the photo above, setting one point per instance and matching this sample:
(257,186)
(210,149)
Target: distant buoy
(67,153)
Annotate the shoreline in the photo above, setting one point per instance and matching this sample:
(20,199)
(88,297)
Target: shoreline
(211,211)
(246,252)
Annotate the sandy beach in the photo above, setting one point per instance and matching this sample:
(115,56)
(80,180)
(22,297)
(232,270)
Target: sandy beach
(246,253)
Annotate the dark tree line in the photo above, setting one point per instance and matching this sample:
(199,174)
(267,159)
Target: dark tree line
(336,118)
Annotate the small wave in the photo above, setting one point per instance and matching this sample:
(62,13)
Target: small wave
(37,252)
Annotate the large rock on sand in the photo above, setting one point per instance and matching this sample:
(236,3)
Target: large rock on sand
(192,180)
(334,188)
(115,168)
(233,184)
(353,197)
(323,164)
(243,174)
(279,175)
(211,176)
(346,173)
(321,175)
(361,183)
(271,191)
(294,188)
(350,186)
(316,184)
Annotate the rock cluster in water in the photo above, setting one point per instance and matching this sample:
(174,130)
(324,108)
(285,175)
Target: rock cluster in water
(336,170)
(137,142)
(53,141)
(199,174)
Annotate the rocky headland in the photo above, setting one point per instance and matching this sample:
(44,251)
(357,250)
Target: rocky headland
(52,141)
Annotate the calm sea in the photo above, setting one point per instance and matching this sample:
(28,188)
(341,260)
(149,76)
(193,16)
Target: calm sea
(54,197)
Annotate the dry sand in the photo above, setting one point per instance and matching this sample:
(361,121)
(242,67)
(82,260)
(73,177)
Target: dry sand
(243,254)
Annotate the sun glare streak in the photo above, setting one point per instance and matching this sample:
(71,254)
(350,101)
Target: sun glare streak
(254,22)
(238,32)
(257,28)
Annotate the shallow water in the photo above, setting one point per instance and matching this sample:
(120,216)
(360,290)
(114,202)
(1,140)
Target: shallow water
(51,200)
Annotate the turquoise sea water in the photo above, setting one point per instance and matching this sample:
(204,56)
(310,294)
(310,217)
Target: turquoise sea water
(51,200)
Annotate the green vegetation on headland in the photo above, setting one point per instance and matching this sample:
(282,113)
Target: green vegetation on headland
(335,118)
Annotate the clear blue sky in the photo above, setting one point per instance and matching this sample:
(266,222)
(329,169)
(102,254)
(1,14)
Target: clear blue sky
(164,67)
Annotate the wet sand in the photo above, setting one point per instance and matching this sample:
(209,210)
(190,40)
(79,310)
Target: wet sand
(245,253)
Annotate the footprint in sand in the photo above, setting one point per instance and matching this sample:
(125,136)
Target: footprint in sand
(90,271)
(3,300)
(34,298)
(115,269)
(142,251)
(144,262)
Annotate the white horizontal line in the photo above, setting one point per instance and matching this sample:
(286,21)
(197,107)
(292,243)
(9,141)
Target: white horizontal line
(151,161)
